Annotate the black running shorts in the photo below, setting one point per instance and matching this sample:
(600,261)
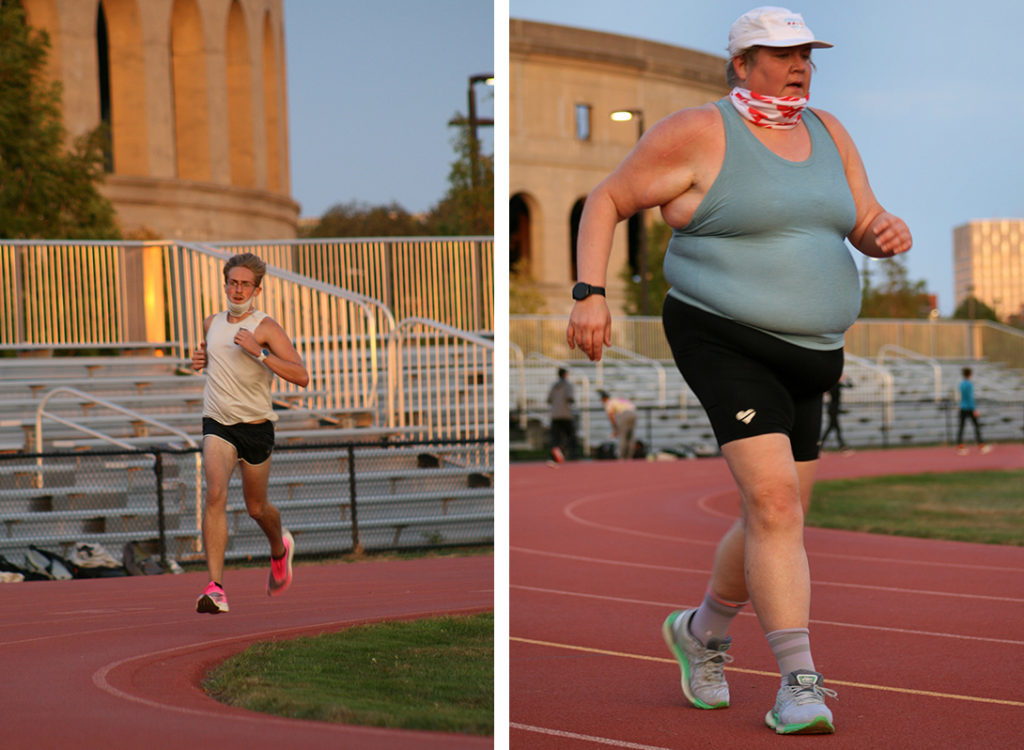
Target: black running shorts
(253,442)
(749,382)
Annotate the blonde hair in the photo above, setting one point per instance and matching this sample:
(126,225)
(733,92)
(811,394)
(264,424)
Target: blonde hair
(247,260)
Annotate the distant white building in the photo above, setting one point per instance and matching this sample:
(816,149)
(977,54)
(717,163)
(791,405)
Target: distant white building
(988,263)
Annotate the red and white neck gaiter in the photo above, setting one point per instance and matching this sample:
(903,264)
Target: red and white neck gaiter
(775,112)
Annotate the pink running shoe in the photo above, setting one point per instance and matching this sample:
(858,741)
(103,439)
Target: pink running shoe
(281,570)
(212,601)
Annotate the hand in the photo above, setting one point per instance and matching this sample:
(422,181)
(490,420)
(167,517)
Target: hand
(590,326)
(199,357)
(245,339)
(891,235)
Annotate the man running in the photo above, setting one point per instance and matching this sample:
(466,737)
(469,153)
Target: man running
(244,348)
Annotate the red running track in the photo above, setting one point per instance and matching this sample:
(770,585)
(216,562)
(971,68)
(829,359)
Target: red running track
(117,663)
(923,640)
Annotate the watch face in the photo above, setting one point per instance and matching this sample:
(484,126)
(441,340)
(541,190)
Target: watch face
(580,291)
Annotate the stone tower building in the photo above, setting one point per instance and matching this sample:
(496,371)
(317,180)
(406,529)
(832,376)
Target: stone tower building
(194,95)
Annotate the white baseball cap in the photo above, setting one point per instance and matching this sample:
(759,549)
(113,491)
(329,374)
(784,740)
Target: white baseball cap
(770,26)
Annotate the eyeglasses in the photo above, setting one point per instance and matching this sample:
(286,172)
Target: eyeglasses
(245,286)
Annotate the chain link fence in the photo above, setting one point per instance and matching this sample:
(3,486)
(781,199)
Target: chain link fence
(335,498)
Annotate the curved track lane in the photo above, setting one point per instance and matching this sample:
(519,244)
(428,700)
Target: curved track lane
(118,662)
(923,640)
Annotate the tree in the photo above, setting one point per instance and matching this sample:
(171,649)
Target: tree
(354,219)
(973,308)
(523,297)
(658,234)
(898,297)
(468,206)
(45,192)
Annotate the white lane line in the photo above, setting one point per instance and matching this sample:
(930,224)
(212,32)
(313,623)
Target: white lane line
(842,683)
(584,737)
(833,623)
(570,512)
(814,582)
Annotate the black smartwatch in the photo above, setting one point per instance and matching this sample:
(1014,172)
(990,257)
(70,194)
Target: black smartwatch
(582,290)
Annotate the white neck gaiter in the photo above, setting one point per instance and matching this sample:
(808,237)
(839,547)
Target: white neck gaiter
(775,112)
(238,309)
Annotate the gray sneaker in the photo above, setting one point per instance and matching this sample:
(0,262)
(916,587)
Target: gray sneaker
(703,679)
(800,706)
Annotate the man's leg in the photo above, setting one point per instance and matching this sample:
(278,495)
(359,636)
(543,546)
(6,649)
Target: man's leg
(254,488)
(219,459)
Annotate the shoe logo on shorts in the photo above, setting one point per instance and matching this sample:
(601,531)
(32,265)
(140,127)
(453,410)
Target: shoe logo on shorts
(746,416)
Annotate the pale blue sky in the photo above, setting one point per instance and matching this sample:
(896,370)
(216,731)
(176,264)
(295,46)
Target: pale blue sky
(372,85)
(930,93)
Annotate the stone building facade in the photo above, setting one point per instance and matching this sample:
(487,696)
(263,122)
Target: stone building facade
(564,83)
(194,95)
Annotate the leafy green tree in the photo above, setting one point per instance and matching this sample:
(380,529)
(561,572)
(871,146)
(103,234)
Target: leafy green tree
(897,297)
(355,219)
(973,308)
(45,192)
(523,297)
(468,206)
(658,234)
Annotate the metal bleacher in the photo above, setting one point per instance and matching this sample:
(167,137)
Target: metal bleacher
(404,461)
(111,500)
(897,400)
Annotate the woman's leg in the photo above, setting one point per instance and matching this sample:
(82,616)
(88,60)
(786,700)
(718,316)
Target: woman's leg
(773,492)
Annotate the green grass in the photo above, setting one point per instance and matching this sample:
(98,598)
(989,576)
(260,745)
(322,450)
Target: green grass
(435,674)
(981,506)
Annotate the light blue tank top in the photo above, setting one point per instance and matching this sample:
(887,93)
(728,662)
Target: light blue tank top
(766,245)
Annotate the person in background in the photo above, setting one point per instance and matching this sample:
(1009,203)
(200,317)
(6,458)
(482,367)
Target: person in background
(968,410)
(622,414)
(761,192)
(563,420)
(834,409)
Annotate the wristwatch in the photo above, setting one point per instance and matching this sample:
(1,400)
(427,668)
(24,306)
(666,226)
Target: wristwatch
(582,290)
(264,353)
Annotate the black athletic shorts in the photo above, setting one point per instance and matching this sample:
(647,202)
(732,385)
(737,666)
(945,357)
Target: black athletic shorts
(253,442)
(749,382)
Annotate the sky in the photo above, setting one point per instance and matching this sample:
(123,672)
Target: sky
(372,85)
(929,92)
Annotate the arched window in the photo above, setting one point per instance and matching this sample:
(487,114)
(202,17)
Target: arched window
(239,99)
(103,61)
(519,235)
(574,230)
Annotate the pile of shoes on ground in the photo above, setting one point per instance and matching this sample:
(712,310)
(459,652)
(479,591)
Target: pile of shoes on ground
(86,561)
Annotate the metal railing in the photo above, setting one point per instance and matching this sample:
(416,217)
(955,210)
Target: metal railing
(444,380)
(130,293)
(55,292)
(447,279)
(42,414)
(334,330)
(905,354)
(940,339)
(336,497)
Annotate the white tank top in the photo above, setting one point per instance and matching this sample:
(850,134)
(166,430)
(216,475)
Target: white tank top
(237,386)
